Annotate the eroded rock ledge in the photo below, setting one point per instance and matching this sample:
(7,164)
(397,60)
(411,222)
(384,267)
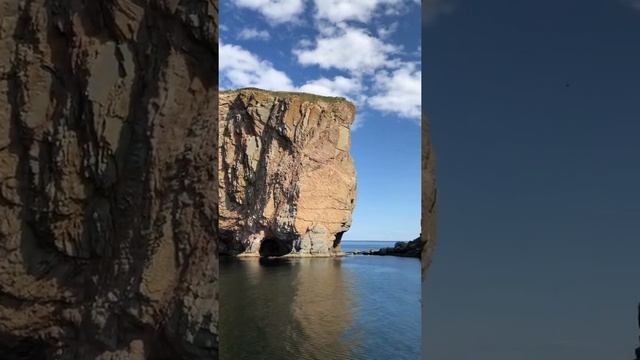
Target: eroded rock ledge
(107,159)
(287,180)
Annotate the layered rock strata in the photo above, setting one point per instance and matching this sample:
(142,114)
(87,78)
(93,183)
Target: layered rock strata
(287,180)
(108,129)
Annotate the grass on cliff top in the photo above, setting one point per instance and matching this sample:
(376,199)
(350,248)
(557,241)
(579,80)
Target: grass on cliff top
(302,95)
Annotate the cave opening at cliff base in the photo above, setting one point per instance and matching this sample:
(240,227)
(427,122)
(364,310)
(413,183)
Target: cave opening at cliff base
(272,247)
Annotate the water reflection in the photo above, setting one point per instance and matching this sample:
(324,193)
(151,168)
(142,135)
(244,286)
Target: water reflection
(354,308)
(284,309)
(323,305)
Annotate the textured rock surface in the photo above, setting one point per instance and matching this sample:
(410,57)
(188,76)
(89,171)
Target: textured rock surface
(108,248)
(287,180)
(428,198)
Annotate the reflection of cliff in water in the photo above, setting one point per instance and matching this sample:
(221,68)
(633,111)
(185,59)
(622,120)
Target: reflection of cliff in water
(254,308)
(323,306)
(284,309)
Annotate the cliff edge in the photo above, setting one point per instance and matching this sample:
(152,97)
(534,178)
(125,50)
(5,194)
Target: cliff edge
(287,180)
(108,244)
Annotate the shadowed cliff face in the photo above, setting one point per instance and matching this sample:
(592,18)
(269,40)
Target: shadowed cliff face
(428,198)
(108,248)
(287,180)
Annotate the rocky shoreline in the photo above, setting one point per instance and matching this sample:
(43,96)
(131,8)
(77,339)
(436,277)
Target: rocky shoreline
(411,248)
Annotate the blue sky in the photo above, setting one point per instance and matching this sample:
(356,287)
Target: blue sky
(535,117)
(365,50)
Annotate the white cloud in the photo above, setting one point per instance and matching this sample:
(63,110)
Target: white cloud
(385,31)
(252,33)
(352,49)
(305,43)
(241,68)
(358,10)
(276,11)
(399,91)
(357,122)
(339,86)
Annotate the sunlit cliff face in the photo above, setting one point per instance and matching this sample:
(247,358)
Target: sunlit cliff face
(287,180)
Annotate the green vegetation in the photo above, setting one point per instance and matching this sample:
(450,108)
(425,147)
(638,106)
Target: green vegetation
(302,95)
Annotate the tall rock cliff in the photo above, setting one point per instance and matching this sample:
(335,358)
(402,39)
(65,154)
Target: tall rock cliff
(108,244)
(428,198)
(287,180)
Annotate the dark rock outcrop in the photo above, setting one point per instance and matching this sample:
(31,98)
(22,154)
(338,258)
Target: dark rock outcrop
(108,203)
(428,198)
(287,180)
(411,248)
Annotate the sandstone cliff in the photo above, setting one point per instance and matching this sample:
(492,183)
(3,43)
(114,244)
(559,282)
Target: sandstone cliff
(428,198)
(108,245)
(287,180)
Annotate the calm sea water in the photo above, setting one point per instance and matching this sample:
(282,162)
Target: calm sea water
(350,308)
(348,246)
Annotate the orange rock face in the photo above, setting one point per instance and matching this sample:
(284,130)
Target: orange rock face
(287,180)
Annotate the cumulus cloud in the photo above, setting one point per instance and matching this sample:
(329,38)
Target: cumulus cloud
(357,122)
(385,31)
(241,68)
(276,11)
(351,49)
(399,91)
(358,10)
(338,86)
(373,72)
(252,33)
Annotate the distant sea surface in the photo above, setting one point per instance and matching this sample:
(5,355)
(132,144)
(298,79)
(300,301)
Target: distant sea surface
(350,308)
(348,246)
